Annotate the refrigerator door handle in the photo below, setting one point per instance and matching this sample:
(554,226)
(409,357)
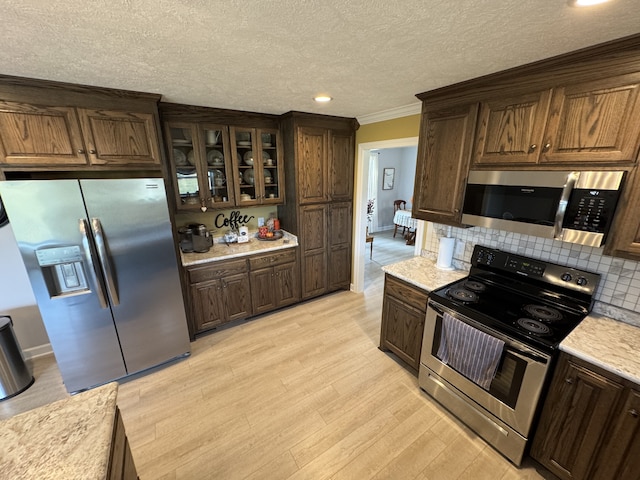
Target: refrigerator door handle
(95,276)
(104,260)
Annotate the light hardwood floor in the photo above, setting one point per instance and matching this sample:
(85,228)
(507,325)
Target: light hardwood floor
(302,393)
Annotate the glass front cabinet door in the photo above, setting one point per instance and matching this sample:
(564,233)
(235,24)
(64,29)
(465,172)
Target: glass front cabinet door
(258,164)
(201,166)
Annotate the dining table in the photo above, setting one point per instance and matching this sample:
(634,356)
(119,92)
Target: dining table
(403,218)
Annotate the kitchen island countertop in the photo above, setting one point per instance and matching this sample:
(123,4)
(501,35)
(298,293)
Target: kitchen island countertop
(423,273)
(607,343)
(70,438)
(222,251)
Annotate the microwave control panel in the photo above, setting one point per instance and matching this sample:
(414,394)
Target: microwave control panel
(590,210)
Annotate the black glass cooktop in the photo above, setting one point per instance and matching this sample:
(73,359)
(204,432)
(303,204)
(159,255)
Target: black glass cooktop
(536,320)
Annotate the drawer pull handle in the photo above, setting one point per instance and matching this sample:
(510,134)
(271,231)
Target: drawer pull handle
(569,380)
(633,412)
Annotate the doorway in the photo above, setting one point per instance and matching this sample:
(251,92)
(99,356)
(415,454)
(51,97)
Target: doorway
(360,247)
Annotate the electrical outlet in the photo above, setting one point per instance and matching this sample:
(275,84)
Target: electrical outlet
(261,221)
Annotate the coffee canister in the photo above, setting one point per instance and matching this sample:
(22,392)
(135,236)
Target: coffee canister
(243,235)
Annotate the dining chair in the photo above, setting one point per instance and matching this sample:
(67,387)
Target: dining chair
(370,240)
(398,205)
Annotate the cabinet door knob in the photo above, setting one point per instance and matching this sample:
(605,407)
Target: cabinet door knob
(633,412)
(92,152)
(569,380)
(533,147)
(546,147)
(80,151)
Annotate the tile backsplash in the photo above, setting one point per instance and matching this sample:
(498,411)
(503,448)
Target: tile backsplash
(617,296)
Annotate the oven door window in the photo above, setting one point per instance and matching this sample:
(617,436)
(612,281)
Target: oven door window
(509,375)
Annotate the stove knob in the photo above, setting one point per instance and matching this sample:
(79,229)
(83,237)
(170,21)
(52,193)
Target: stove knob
(582,281)
(566,277)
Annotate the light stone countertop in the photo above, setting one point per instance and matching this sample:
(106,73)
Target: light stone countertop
(607,343)
(220,251)
(70,438)
(423,273)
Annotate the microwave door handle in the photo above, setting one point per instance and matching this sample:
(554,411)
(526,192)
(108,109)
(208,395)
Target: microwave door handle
(95,275)
(98,233)
(572,178)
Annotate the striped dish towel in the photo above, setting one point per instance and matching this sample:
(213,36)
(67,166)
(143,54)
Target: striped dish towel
(471,352)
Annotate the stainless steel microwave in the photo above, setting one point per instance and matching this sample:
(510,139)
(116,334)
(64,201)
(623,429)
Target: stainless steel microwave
(576,207)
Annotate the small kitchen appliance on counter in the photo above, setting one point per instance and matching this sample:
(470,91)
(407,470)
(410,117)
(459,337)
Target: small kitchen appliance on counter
(201,237)
(195,238)
(526,307)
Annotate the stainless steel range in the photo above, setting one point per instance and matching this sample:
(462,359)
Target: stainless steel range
(490,340)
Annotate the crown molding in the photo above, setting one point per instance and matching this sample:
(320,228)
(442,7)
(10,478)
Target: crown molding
(392,113)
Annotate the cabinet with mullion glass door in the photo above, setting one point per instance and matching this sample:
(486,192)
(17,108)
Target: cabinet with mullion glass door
(258,159)
(219,168)
(200,164)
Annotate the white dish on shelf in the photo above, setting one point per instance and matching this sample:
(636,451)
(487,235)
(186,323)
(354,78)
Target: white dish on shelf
(179,157)
(191,158)
(244,143)
(268,177)
(249,176)
(248,157)
(215,157)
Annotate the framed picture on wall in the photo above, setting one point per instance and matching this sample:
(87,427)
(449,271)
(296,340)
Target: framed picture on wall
(388,176)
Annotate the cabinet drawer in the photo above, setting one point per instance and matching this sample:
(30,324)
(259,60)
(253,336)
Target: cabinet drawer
(408,294)
(215,270)
(263,261)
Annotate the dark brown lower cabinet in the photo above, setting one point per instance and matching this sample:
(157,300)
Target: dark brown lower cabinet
(340,225)
(403,314)
(274,281)
(121,465)
(227,290)
(222,300)
(589,424)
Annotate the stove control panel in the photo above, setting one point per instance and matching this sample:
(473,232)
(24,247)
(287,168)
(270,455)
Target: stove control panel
(508,262)
(566,277)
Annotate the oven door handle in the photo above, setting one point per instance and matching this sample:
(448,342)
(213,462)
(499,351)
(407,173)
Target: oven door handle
(526,356)
(436,308)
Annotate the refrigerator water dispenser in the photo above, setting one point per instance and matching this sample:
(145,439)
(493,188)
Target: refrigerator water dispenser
(62,270)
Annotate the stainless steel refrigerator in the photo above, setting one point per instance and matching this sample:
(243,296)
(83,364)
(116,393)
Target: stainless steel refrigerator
(102,264)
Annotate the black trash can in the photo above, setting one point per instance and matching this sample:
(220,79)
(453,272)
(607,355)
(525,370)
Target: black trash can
(15,377)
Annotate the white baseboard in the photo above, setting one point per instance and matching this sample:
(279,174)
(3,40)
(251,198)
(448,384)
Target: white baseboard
(38,351)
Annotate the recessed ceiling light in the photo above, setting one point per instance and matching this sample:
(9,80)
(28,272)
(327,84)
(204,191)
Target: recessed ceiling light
(585,3)
(322,98)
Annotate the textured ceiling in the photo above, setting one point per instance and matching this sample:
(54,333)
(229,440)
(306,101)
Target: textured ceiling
(274,55)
